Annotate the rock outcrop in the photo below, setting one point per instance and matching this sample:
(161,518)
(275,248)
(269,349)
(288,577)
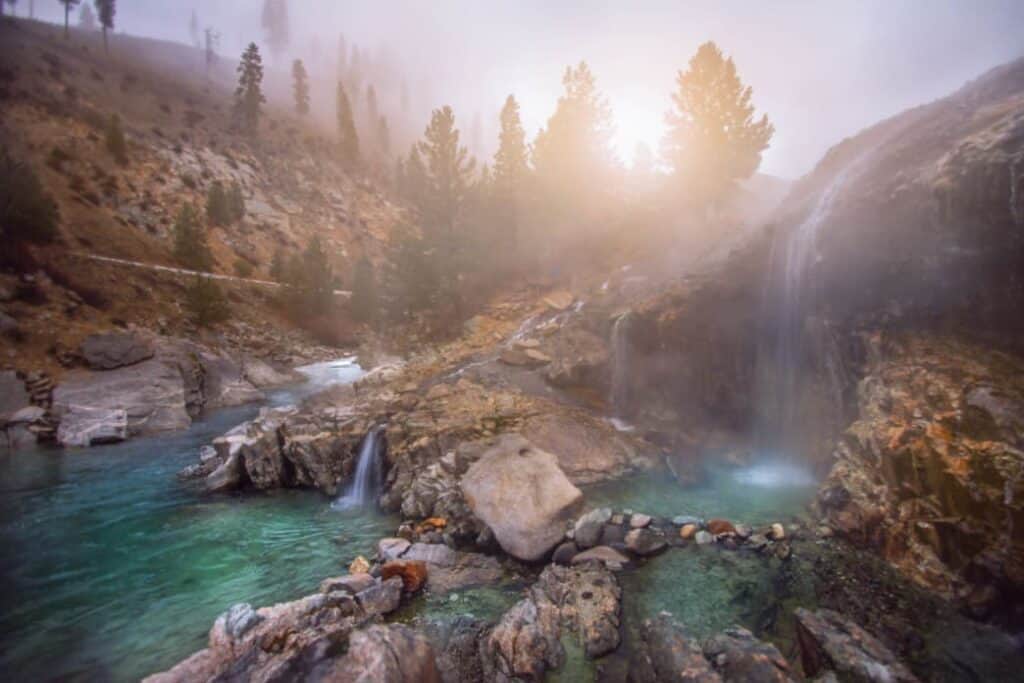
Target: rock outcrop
(522,495)
(829,642)
(932,472)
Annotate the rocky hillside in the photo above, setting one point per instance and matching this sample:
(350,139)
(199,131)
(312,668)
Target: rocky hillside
(57,97)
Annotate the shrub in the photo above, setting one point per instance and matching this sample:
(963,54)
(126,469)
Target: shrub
(116,144)
(217,210)
(190,247)
(243,268)
(28,214)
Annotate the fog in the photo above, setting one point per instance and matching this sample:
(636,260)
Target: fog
(821,71)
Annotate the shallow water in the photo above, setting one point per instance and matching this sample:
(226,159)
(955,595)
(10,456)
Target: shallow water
(113,569)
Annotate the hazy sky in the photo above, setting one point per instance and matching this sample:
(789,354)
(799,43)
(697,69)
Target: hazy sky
(822,70)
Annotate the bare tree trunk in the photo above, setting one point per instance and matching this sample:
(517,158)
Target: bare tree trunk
(67,9)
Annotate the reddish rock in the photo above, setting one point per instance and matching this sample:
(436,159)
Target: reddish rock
(412,572)
(721,526)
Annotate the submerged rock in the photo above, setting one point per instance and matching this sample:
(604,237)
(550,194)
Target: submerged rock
(522,495)
(645,541)
(830,642)
(608,556)
(738,656)
(588,528)
(671,656)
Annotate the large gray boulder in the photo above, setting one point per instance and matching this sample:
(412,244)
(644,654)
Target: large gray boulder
(115,350)
(522,495)
(225,383)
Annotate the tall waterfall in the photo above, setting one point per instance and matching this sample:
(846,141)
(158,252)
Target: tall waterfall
(788,300)
(364,489)
(620,389)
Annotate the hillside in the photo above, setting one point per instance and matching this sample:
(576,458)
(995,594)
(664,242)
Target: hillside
(57,97)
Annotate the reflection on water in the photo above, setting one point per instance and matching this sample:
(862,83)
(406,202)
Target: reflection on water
(113,569)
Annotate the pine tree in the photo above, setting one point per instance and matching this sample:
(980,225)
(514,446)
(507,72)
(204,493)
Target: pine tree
(193,30)
(106,10)
(311,278)
(68,4)
(371,106)
(414,179)
(713,139)
(275,26)
(205,302)
(86,18)
(116,144)
(190,247)
(28,212)
(511,168)
(217,211)
(364,292)
(384,136)
(235,202)
(572,156)
(300,87)
(348,139)
(211,42)
(249,97)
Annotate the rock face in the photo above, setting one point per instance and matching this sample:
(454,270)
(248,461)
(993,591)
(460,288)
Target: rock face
(115,350)
(525,642)
(829,642)
(930,473)
(522,495)
(303,639)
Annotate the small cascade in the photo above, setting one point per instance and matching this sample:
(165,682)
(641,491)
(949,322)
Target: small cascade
(364,489)
(620,385)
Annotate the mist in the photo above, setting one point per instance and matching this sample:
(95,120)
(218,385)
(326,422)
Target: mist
(857,62)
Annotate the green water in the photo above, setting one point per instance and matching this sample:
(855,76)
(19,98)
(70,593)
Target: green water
(112,569)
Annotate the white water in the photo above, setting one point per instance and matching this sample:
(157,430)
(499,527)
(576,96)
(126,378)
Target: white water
(774,474)
(620,365)
(364,489)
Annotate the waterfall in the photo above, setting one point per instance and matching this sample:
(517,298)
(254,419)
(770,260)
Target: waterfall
(620,389)
(364,489)
(787,302)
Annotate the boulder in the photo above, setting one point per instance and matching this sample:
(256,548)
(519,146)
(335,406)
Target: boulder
(360,565)
(588,528)
(831,642)
(224,383)
(645,541)
(115,350)
(522,495)
(83,425)
(391,548)
(639,521)
(738,656)
(262,375)
(672,655)
(525,641)
(381,598)
(777,532)
(227,477)
(350,583)
(391,653)
(413,573)
(468,570)
(432,553)
(687,531)
(608,556)
(703,538)
(564,553)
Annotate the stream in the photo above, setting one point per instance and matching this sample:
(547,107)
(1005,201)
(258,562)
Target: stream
(113,569)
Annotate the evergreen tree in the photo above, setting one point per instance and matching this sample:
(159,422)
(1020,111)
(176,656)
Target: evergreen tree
(106,10)
(193,30)
(27,211)
(510,168)
(205,302)
(300,87)
(86,18)
(217,211)
(211,42)
(412,282)
(275,26)
(572,156)
(235,202)
(384,135)
(249,97)
(116,144)
(364,292)
(414,179)
(190,247)
(68,4)
(278,265)
(347,137)
(713,139)
(311,279)
(371,106)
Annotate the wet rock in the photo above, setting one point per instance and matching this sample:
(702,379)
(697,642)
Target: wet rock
(115,350)
(777,532)
(639,521)
(608,556)
(645,541)
(738,656)
(588,528)
(672,655)
(457,645)
(688,531)
(687,520)
(360,565)
(391,653)
(391,548)
(84,426)
(721,526)
(468,570)
(228,476)
(703,538)
(830,642)
(579,359)
(381,598)
(564,553)
(351,584)
(522,495)
(589,600)
(431,553)
(525,641)
(612,535)
(413,573)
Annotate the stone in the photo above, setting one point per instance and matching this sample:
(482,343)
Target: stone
(525,641)
(228,476)
(645,541)
(382,597)
(517,356)
(413,573)
(262,375)
(588,528)
(239,619)
(608,556)
(687,531)
(431,553)
(84,426)
(564,553)
(13,396)
(360,565)
(685,520)
(830,642)
(738,656)
(351,583)
(391,653)
(639,521)
(391,548)
(777,532)
(115,350)
(522,495)
(612,534)
(721,526)
(224,383)
(743,531)
(703,538)
(468,570)
(673,655)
